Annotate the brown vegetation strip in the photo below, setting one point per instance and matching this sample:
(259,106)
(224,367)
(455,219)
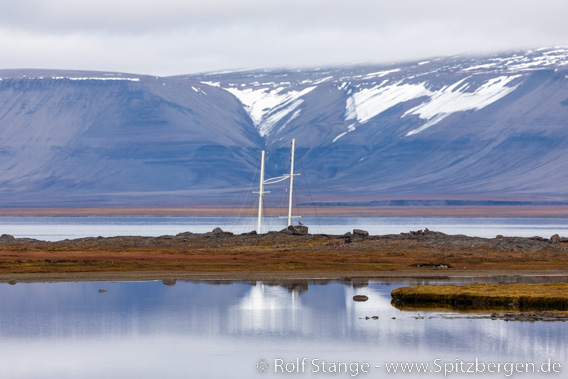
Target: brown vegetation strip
(283,254)
(550,296)
(337,211)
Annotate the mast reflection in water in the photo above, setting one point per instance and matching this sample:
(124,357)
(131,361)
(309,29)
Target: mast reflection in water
(222,329)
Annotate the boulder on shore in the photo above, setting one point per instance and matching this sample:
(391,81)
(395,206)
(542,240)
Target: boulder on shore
(555,239)
(218,232)
(7,237)
(360,232)
(299,230)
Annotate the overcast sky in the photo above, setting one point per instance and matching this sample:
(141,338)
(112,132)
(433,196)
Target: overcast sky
(170,37)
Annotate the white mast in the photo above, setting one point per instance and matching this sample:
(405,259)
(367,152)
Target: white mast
(260,193)
(291,182)
(277,179)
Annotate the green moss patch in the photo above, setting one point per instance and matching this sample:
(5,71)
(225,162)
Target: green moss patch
(518,295)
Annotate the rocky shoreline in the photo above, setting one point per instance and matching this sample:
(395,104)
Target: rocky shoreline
(499,243)
(533,316)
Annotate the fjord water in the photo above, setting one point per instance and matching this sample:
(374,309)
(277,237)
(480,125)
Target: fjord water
(59,228)
(224,329)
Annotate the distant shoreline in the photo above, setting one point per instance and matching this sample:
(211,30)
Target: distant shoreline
(408,275)
(534,211)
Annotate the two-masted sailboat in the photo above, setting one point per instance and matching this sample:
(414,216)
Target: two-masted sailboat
(264,182)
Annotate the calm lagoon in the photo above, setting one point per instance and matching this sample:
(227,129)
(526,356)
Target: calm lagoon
(221,329)
(59,228)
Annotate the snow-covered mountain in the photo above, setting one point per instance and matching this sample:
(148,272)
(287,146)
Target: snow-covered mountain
(490,128)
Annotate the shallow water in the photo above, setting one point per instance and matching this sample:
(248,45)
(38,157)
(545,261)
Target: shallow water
(223,329)
(59,228)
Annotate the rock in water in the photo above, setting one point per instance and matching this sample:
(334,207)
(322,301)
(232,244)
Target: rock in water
(169,282)
(360,298)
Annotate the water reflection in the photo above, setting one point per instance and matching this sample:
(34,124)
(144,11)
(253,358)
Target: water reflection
(221,329)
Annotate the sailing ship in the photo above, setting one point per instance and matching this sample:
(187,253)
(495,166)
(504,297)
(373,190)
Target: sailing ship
(263,182)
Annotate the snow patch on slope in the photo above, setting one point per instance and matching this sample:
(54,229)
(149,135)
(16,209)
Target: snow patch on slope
(266,107)
(367,103)
(528,61)
(198,90)
(451,99)
(350,128)
(212,84)
(370,102)
(380,74)
(93,78)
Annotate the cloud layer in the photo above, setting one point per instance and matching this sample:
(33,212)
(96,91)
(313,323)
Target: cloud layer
(171,37)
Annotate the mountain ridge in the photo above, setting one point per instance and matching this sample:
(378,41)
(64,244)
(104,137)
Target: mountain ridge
(490,127)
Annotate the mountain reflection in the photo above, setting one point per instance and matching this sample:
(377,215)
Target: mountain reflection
(241,322)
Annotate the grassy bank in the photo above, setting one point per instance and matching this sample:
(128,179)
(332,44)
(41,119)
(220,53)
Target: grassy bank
(219,252)
(519,295)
